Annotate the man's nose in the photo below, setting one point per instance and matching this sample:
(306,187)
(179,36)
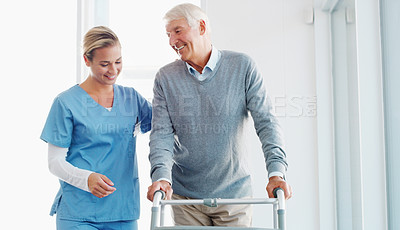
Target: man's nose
(172,40)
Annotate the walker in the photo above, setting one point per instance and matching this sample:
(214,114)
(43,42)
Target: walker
(278,205)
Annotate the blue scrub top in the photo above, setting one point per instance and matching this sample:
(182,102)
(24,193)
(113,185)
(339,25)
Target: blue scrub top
(101,141)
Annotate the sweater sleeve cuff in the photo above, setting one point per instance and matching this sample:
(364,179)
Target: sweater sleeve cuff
(161,174)
(276,169)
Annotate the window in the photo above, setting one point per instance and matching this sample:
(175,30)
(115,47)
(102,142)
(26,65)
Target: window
(145,48)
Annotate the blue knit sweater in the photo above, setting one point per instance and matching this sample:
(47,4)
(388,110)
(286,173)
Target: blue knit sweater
(198,126)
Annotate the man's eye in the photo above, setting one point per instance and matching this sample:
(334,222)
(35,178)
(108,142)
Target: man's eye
(118,62)
(178,31)
(104,65)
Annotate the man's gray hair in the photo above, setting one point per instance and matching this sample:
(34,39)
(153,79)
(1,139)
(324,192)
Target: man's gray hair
(192,13)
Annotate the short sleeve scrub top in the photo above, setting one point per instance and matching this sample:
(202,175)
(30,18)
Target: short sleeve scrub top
(102,141)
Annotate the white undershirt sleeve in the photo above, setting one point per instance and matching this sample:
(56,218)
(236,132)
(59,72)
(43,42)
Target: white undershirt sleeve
(59,166)
(276,174)
(165,180)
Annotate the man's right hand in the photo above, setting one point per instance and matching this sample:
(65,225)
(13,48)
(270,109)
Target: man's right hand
(160,185)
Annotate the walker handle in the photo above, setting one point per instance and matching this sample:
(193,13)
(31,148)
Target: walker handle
(162,194)
(275,192)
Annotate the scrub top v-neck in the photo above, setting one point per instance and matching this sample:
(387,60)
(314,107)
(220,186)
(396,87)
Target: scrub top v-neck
(109,109)
(102,141)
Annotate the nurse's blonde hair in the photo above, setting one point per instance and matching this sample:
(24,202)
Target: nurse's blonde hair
(98,37)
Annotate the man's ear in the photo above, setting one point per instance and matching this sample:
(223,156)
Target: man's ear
(202,27)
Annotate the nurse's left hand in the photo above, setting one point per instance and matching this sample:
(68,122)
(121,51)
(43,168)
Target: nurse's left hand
(100,185)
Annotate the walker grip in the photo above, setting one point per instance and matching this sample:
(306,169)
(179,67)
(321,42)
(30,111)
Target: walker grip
(275,192)
(162,194)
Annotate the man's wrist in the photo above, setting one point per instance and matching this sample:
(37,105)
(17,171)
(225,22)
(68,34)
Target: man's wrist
(165,179)
(277,174)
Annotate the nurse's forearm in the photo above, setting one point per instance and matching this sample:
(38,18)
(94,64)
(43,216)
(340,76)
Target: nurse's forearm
(59,166)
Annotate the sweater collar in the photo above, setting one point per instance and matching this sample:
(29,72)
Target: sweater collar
(210,66)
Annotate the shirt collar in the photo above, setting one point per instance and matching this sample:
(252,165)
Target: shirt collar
(212,62)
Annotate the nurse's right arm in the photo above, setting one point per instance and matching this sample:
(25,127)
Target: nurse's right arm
(95,183)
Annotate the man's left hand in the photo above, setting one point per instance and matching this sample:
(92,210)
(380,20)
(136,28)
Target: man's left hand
(279,182)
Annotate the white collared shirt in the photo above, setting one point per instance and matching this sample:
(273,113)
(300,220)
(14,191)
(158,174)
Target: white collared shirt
(208,69)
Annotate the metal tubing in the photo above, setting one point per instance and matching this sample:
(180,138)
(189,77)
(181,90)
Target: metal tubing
(155,217)
(219,201)
(155,210)
(162,215)
(275,215)
(282,219)
(281,199)
(159,204)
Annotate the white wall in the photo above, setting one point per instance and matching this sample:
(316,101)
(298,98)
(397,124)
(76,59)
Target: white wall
(275,34)
(38,41)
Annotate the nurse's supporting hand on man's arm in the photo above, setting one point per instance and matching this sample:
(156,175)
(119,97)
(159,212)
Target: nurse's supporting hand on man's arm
(100,185)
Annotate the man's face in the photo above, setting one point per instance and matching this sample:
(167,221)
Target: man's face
(184,39)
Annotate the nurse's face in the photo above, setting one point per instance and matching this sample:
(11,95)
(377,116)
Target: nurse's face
(106,64)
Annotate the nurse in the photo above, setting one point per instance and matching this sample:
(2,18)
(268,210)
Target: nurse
(91,134)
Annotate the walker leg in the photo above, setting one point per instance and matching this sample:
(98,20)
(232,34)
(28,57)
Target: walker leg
(275,216)
(155,217)
(162,215)
(282,219)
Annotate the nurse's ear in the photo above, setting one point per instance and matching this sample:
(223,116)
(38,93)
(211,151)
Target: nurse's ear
(87,61)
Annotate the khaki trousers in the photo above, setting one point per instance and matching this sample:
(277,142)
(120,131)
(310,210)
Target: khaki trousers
(200,215)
